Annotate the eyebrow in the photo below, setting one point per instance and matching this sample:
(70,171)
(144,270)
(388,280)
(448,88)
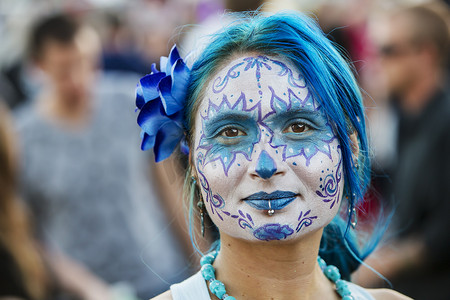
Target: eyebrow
(229,115)
(297,112)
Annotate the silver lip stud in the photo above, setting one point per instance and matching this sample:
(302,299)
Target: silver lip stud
(270,211)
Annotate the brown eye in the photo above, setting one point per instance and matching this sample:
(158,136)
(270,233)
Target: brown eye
(297,128)
(231,132)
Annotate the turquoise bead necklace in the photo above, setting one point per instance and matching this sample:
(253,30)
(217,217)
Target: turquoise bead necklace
(218,288)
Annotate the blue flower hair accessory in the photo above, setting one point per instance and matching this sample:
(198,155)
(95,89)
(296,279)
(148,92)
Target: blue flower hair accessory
(161,98)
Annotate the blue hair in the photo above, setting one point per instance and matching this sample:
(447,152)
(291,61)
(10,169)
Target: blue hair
(298,39)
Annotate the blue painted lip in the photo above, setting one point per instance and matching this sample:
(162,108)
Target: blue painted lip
(278,200)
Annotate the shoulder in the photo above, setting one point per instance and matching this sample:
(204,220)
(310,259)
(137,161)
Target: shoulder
(376,294)
(164,296)
(387,294)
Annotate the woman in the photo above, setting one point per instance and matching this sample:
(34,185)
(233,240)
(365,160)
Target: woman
(271,118)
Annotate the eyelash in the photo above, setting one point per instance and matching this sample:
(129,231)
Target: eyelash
(223,130)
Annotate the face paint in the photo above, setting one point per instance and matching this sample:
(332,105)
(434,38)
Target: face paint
(262,144)
(222,136)
(265,166)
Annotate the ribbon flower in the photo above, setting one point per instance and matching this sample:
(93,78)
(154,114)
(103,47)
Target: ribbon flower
(161,97)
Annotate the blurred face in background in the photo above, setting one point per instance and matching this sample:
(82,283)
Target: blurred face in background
(400,57)
(70,68)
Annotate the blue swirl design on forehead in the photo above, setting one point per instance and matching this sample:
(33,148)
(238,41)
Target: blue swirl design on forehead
(219,84)
(309,146)
(257,63)
(217,152)
(292,80)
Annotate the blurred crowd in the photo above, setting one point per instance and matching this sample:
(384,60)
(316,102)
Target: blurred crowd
(84,214)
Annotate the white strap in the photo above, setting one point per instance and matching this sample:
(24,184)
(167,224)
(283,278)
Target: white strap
(359,293)
(193,288)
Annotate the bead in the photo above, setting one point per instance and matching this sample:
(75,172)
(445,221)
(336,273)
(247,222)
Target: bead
(208,272)
(322,263)
(332,273)
(214,253)
(217,288)
(207,259)
(343,289)
(348,298)
(229,298)
(340,283)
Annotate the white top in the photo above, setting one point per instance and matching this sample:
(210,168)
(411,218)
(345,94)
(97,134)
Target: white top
(194,288)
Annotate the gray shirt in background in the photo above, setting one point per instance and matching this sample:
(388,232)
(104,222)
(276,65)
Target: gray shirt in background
(93,195)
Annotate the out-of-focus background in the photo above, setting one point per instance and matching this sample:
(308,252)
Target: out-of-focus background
(84,214)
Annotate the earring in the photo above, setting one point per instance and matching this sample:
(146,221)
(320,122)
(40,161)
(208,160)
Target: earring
(355,162)
(200,205)
(353,217)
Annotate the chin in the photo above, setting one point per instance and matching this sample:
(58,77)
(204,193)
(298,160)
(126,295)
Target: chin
(274,233)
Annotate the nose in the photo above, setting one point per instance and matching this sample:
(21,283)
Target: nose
(265,166)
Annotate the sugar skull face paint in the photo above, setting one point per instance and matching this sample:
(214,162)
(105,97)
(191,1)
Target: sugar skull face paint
(262,145)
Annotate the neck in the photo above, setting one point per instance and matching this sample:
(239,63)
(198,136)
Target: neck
(420,93)
(275,270)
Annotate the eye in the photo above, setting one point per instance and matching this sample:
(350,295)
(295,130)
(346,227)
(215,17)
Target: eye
(297,128)
(231,132)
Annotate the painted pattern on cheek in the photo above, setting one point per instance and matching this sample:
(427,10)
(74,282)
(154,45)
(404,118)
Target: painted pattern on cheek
(330,185)
(215,201)
(304,220)
(244,219)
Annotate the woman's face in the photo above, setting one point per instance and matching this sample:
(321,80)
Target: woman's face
(267,160)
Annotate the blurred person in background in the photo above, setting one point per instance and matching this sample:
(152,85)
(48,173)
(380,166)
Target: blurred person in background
(27,270)
(23,273)
(350,29)
(84,181)
(414,48)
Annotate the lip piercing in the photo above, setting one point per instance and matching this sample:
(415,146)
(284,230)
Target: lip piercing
(270,212)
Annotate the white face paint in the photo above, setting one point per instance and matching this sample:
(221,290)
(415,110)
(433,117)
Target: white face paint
(262,143)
